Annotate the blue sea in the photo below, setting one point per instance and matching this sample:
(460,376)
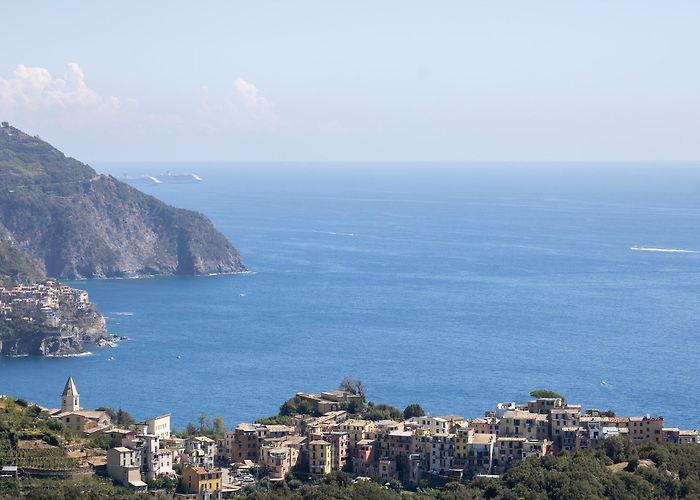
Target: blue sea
(452,285)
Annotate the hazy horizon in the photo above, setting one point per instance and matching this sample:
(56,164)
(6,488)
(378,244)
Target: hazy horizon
(400,81)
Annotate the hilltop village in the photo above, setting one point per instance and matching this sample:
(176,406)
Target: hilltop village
(41,301)
(334,434)
(48,318)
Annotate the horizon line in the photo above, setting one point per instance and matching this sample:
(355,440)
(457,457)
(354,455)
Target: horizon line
(422,161)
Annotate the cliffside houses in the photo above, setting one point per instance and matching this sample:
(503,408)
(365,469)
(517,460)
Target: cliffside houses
(437,448)
(432,446)
(43,298)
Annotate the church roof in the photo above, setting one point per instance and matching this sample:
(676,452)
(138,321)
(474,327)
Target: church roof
(70,389)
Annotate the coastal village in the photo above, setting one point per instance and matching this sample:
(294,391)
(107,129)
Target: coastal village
(42,301)
(415,449)
(48,318)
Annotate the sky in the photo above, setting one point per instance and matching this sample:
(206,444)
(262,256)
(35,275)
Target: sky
(386,80)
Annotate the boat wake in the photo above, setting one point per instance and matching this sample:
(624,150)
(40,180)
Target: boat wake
(76,355)
(123,314)
(334,233)
(662,250)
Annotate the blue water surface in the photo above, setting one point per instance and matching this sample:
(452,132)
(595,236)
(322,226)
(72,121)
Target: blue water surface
(455,286)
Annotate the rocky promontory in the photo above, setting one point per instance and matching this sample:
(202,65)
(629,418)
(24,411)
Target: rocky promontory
(48,319)
(69,221)
(60,218)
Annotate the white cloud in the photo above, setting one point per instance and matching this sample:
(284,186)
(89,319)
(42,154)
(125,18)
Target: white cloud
(242,107)
(88,122)
(34,89)
(36,97)
(248,97)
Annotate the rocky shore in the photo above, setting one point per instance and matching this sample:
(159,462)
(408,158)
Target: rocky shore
(48,319)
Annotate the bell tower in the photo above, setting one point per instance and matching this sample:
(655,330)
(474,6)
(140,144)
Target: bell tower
(70,399)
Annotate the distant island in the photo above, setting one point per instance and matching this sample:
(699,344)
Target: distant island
(59,218)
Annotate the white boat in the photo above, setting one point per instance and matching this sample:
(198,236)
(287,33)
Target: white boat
(187,177)
(141,179)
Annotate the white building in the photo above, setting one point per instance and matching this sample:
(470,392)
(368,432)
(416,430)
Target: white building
(155,461)
(201,451)
(160,426)
(124,466)
(434,425)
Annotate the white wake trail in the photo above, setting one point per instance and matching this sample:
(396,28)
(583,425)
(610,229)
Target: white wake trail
(662,250)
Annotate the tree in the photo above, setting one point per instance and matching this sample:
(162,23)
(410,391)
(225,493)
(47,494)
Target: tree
(162,482)
(355,406)
(123,418)
(295,484)
(190,430)
(395,485)
(382,412)
(275,420)
(101,441)
(56,425)
(545,393)
(219,428)
(354,386)
(203,423)
(305,407)
(413,410)
(288,408)
(296,406)
(618,448)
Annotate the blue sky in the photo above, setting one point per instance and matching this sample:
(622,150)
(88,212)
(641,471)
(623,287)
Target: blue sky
(360,80)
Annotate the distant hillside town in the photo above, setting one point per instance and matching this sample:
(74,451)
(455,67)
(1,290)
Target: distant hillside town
(336,430)
(41,301)
(48,318)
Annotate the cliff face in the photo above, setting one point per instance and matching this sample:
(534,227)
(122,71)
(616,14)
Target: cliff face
(44,342)
(64,336)
(59,218)
(62,219)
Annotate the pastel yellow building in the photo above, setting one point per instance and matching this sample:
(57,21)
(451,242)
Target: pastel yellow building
(320,459)
(201,481)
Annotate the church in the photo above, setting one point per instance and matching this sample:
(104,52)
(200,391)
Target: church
(75,418)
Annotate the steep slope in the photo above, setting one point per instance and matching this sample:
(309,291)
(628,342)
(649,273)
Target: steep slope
(14,265)
(58,217)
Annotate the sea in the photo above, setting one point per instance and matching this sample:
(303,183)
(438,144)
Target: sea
(452,285)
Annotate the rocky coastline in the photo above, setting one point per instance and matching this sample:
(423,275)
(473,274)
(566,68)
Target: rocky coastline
(67,338)
(59,217)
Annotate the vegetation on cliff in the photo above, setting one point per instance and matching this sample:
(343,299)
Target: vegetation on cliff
(59,218)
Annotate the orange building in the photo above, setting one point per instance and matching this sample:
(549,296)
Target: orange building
(201,481)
